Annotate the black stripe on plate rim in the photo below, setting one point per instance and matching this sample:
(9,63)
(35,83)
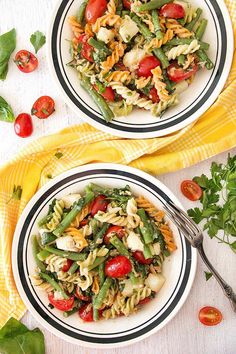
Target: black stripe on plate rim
(56,325)
(136,129)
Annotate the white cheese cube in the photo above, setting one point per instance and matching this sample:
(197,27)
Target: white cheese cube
(66,243)
(128,29)
(134,242)
(155,281)
(132,59)
(70,199)
(105,35)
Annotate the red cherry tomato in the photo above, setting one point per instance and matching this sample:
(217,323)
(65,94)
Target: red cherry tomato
(43,107)
(138,255)
(121,66)
(113,230)
(176,73)
(108,94)
(23,125)
(191,190)
(146,300)
(84,222)
(62,305)
(81,296)
(146,65)
(26,61)
(127,4)
(172,11)
(86,312)
(95,9)
(99,203)
(86,50)
(67,266)
(118,267)
(153,95)
(210,316)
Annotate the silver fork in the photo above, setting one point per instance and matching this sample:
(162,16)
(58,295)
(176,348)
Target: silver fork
(195,237)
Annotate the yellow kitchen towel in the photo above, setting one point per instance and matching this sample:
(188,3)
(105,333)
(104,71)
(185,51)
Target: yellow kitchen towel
(49,156)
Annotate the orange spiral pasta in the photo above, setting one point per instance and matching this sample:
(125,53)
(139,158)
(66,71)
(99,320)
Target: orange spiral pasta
(82,214)
(168,237)
(179,30)
(147,19)
(88,30)
(160,84)
(142,82)
(120,76)
(78,237)
(157,43)
(106,20)
(156,214)
(76,27)
(117,53)
(190,59)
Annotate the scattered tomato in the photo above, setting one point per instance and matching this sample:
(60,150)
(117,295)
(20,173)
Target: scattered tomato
(210,316)
(62,305)
(138,255)
(108,94)
(95,9)
(23,125)
(146,300)
(118,267)
(176,73)
(146,65)
(153,95)
(191,190)
(172,11)
(67,266)
(87,49)
(26,61)
(127,4)
(113,230)
(86,312)
(81,296)
(100,203)
(43,107)
(83,222)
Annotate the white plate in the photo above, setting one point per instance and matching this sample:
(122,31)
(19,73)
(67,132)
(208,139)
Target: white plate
(141,124)
(179,268)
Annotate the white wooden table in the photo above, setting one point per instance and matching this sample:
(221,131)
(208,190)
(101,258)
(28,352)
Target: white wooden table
(184,334)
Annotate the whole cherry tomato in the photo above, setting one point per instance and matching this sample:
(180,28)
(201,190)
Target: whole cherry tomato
(67,266)
(113,230)
(100,203)
(176,73)
(108,94)
(95,9)
(172,11)
(43,107)
(210,316)
(191,190)
(146,65)
(118,267)
(23,125)
(26,61)
(138,255)
(62,305)
(127,4)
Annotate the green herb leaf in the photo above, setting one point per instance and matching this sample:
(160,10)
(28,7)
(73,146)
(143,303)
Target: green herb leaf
(196,215)
(49,176)
(7,46)
(58,154)
(233,246)
(37,39)
(17,338)
(6,112)
(16,194)
(208,275)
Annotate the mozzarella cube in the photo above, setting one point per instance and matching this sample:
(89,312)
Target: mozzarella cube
(66,243)
(70,199)
(134,242)
(128,29)
(132,59)
(156,248)
(105,35)
(58,295)
(155,281)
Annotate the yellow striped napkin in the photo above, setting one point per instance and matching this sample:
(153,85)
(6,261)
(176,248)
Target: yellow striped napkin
(214,132)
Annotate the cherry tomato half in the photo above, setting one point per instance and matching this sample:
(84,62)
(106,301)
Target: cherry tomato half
(176,73)
(172,11)
(81,296)
(86,50)
(95,9)
(146,65)
(210,316)
(86,312)
(138,255)
(127,4)
(118,267)
(83,222)
(99,203)
(67,266)
(23,125)
(43,107)
(146,300)
(153,95)
(62,305)
(113,230)
(26,61)
(191,190)
(108,94)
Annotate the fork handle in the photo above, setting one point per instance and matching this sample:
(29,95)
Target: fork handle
(228,291)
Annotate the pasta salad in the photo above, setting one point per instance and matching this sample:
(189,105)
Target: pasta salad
(101,254)
(134,53)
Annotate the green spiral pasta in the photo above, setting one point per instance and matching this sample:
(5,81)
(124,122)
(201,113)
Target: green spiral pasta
(56,216)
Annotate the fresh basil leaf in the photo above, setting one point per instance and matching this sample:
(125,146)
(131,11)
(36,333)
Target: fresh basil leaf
(18,339)
(7,46)
(37,39)
(6,112)
(208,275)
(58,155)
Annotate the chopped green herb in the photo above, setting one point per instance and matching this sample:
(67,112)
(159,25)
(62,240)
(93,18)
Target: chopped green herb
(208,275)
(16,194)
(45,111)
(37,39)
(49,176)
(58,155)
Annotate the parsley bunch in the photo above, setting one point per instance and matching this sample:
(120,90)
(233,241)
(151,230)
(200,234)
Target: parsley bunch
(218,201)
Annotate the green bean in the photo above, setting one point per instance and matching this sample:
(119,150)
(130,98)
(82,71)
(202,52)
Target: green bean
(146,252)
(201,29)
(97,262)
(35,250)
(42,255)
(98,99)
(162,57)
(101,273)
(118,244)
(181,21)
(102,293)
(94,224)
(191,24)
(146,229)
(47,237)
(169,84)
(101,233)
(98,45)
(119,7)
(142,27)
(203,57)
(71,312)
(45,220)
(133,278)
(78,206)
(178,41)
(156,23)
(81,12)
(54,284)
(181,59)
(73,268)
(74,256)
(124,13)
(151,5)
